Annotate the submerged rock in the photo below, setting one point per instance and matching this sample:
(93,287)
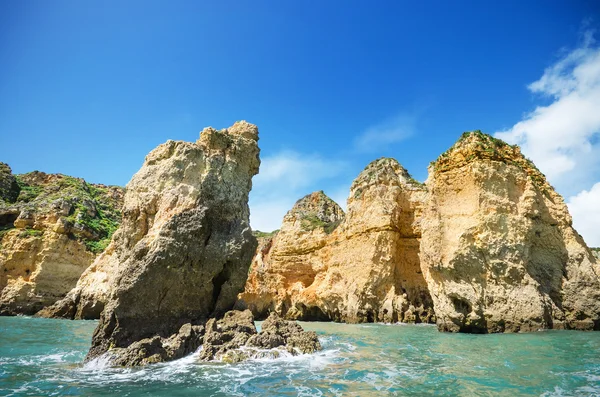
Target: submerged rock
(358,267)
(184,246)
(498,249)
(51,228)
(234,338)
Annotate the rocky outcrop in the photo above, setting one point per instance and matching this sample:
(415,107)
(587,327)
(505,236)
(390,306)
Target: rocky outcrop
(9,188)
(359,267)
(230,339)
(51,228)
(498,249)
(184,246)
(156,349)
(234,338)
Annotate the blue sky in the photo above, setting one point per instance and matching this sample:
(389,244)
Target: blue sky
(89,88)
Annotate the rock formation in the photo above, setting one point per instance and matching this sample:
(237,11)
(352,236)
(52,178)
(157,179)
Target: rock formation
(234,338)
(498,249)
(359,267)
(51,228)
(88,297)
(184,246)
(9,187)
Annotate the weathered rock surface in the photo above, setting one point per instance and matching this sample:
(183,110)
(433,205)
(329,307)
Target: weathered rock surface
(498,249)
(9,188)
(184,246)
(234,338)
(359,267)
(87,298)
(51,228)
(156,349)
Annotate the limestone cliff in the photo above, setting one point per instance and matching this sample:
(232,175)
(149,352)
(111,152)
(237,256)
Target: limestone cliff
(358,267)
(184,246)
(498,249)
(9,187)
(51,228)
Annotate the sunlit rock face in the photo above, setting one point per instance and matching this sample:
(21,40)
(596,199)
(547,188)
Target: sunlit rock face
(362,266)
(498,249)
(52,226)
(184,247)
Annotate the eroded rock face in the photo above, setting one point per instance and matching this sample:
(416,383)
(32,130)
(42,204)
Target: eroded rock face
(51,228)
(361,267)
(234,338)
(498,249)
(184,246)
(9,188)
(156,349)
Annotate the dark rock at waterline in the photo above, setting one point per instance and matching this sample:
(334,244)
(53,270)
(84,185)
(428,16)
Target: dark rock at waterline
(234,338)
(157,349)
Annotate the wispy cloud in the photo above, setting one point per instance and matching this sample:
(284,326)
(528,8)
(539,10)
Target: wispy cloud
(585,210)
(381,135)
(562,136)
(283,179)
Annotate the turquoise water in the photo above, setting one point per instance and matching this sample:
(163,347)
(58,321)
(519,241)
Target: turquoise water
(43,357)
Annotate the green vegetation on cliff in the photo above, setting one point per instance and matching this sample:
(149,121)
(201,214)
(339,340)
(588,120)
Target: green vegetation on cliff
(382,171)
(317,210)
(259,234)
(87,212)
(476,145)
(9,188)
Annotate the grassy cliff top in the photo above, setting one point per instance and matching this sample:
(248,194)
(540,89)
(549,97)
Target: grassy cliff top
(384,170)
(476,145)
(91,212)
(317,210)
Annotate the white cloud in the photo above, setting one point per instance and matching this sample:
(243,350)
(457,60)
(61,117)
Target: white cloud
(295,170)
(266,215)
(389,132)
(562,137)
(283,179)
(585,209)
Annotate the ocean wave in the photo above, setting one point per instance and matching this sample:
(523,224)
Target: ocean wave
(355,360)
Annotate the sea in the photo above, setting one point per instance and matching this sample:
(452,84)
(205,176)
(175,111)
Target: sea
(43,357)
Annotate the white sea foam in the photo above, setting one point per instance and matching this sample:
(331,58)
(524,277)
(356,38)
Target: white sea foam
(352,362)
(99,363)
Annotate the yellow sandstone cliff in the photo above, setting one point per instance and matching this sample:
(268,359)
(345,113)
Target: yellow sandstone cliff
(498,249)
(486,243)
(51,228)
(361,267)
